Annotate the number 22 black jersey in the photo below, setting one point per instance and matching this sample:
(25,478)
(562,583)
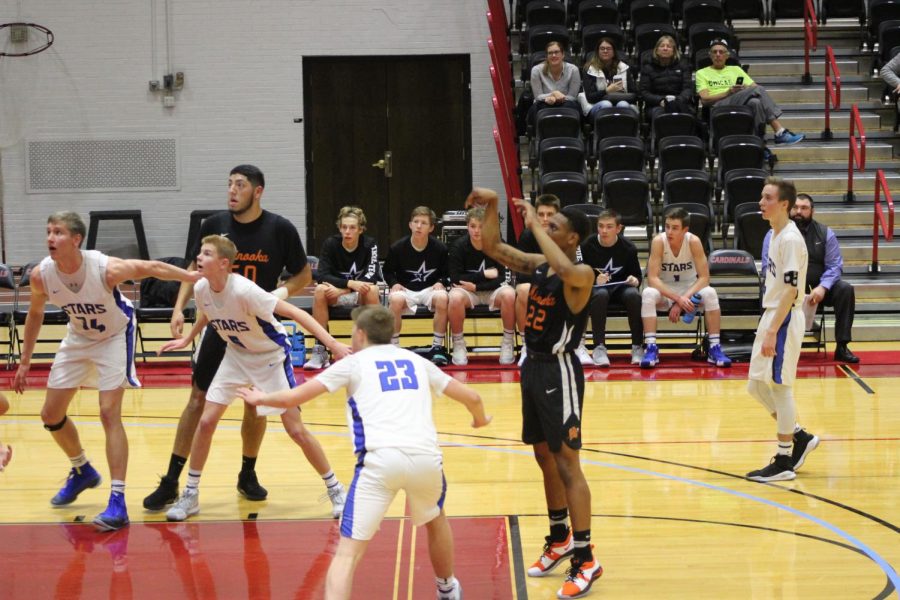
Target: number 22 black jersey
(550,327)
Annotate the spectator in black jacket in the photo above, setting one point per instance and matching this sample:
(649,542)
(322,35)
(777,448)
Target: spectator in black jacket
(347,274)
(607,81)
(618,278)
(665,83)
(415,271)
(478,280)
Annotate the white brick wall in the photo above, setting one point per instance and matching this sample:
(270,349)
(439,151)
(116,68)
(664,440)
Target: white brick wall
(242,63)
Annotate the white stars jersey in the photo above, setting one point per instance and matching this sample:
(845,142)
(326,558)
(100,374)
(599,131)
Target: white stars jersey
(786,265)
(389,397)
(678,271)
(242,315)
(95,312)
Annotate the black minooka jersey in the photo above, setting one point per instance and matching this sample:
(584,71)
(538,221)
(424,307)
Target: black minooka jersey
(550,327)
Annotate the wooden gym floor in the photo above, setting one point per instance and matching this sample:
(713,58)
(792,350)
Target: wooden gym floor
(665,453)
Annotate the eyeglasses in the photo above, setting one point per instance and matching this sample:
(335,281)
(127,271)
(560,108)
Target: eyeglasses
(554,53)
(606,48)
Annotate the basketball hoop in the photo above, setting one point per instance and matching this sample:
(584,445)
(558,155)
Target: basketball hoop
(40,28)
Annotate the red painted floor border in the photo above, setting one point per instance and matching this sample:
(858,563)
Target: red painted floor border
(243,559)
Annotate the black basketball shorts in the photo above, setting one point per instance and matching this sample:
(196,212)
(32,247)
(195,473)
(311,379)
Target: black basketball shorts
(552,399)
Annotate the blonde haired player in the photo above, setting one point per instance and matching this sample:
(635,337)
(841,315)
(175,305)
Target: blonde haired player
(389,397)
(779,336)
(98,351)
(257,353)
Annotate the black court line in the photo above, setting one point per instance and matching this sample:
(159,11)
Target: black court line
(853,375)
(515,539)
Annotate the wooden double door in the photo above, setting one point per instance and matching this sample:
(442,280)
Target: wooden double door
(385,133)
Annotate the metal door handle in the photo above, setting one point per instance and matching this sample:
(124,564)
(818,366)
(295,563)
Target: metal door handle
(385,164)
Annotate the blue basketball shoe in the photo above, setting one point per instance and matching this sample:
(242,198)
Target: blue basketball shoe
(115,516)
(718,357)
(80,479)
(651,357)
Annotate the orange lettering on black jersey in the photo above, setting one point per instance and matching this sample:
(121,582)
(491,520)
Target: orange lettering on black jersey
(257,257)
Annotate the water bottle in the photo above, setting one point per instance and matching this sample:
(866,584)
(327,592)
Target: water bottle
(298,344)
(689,317)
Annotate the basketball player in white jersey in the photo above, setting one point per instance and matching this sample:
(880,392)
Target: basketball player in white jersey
(98,351)
(389,397)
(779,336)
(677,270)
(257,352)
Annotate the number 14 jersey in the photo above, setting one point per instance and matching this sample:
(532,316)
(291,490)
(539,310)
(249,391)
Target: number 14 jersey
(389,397)
(95,312)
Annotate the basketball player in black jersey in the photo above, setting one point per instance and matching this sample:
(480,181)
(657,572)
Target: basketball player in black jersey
(552,380)
(267,244)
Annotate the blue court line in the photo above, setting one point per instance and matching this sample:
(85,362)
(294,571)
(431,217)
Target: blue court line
(872,554)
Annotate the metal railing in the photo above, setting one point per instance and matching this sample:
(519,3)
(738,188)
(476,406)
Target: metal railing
(857,152)
(878,218)
(832,90)
(810,38)
(505,133)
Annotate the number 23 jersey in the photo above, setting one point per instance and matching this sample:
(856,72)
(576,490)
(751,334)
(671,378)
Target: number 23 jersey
(389,397)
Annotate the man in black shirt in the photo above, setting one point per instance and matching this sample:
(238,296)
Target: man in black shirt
(267,244)
(347,273)
(615,261)
(415,271)
(552,379)
(478,280)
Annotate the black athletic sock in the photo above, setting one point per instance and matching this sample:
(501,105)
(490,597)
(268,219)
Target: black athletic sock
(582,545)
(248,464)
(176,466)
(559,529)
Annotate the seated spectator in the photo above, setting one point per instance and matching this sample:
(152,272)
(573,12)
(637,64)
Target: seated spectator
(554,82)
(676,271)
(477,280)
(718,85)
(607,81)
(347,274)
(890,73)
(823,275)
(665,83)
(615,261)
(416,271)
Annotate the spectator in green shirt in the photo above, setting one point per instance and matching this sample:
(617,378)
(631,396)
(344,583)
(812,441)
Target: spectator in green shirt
(718,85)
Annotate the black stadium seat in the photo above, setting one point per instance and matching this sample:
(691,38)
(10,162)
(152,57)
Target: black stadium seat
(628,193)
(739,152)
(741,186)
(750,229)
(688,185)
(569,187)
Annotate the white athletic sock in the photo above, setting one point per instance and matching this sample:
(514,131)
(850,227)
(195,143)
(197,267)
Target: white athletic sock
(713,339)
(330,479)
(193,479)
(780,131)
(445,585)
(438,339)
(458,338)
(79,461)
(784,448)
(509,335)
(650,338)
(117,486)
